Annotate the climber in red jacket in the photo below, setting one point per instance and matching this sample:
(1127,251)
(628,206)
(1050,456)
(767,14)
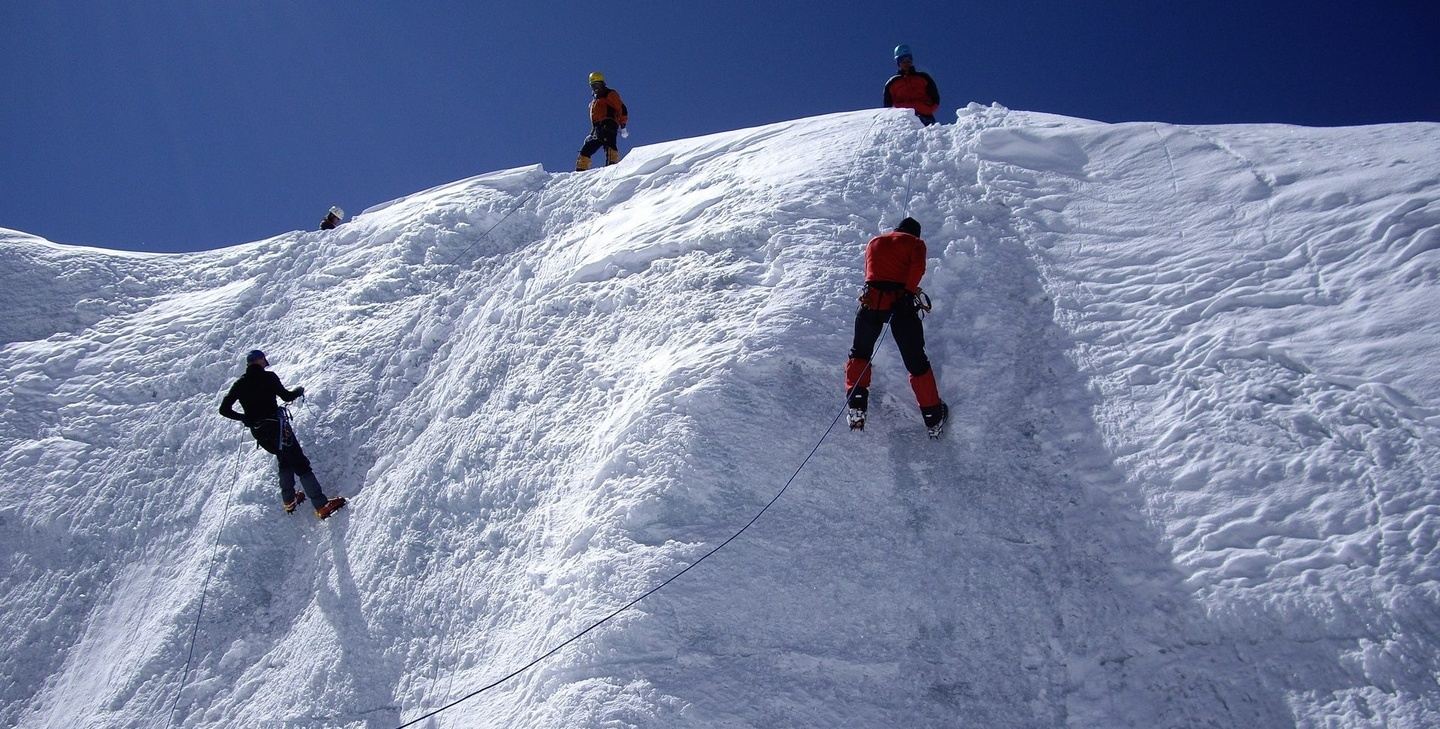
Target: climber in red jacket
(894,265)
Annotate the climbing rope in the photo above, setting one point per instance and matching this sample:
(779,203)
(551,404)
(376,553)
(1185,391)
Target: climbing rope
(200,612)
(672,578)
(909,179)
(518,204)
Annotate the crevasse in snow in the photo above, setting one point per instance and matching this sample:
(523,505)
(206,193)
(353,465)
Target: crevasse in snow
(1190,478)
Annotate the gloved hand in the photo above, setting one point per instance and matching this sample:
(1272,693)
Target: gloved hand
(624,133)
(299,392)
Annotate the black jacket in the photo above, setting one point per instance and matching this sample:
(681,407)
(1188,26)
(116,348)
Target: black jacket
(256,390)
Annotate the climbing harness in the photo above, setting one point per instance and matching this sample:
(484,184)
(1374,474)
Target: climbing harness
(922,303)
(882,295)
(282,414)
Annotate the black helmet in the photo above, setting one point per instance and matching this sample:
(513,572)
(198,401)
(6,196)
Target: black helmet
(909,225)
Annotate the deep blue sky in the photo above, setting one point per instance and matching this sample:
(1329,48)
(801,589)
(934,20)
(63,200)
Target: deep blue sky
(161,125)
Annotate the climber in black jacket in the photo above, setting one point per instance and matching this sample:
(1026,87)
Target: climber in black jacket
(256,391)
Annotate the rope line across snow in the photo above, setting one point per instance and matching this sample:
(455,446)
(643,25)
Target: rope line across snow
(200,612)
(662,585)
(520,203)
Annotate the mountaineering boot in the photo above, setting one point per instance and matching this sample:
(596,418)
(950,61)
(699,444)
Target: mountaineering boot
(935,417)
(582,163)
(330,507)
(859,403)
(612,156)
(291,504)
(856,417)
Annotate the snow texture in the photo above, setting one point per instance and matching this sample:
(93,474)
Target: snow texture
(1190,480)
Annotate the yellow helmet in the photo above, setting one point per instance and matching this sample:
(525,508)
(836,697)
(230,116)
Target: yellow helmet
(597,76)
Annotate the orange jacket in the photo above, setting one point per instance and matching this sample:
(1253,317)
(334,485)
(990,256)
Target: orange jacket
(895,258)
(607,105)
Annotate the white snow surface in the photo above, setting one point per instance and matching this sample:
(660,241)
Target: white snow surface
(1190,478)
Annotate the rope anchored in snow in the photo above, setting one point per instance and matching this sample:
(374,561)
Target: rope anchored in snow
(660,586)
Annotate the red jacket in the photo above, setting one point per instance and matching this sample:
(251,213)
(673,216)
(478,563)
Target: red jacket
(895,258)
(914,90)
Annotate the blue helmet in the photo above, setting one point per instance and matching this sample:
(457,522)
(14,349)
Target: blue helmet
(902,51)
(254,356)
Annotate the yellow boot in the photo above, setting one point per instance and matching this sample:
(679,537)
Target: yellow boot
(611,156)
(582,163)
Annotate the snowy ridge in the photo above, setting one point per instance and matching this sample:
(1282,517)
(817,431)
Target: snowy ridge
(1191,479)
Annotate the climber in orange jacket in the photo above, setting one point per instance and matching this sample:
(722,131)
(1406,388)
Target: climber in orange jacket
(608,116)
(911,89)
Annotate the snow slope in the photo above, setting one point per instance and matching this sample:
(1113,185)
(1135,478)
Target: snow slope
(1191,478)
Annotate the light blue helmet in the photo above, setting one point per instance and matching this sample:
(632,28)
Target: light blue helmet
(902,51)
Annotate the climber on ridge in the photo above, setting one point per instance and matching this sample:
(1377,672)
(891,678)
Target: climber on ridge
(912,89)
(608,116)
(332,218)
